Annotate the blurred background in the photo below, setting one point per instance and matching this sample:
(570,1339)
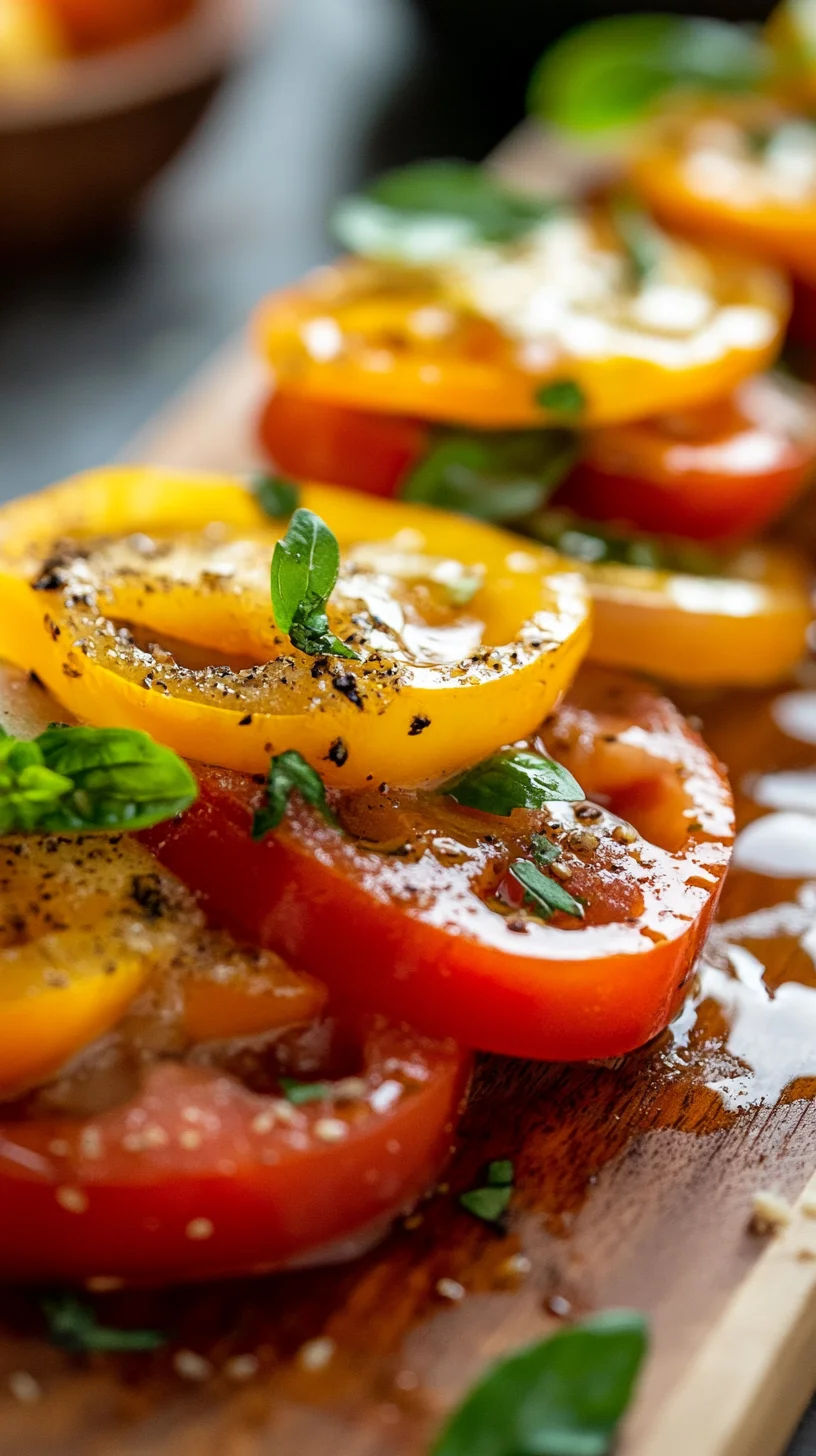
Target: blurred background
(320,94)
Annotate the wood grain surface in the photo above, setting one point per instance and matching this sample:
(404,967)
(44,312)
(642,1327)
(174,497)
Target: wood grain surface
(635,1181)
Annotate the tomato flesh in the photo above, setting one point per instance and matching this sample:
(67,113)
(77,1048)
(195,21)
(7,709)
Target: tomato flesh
(358,449)
(94,25)
(196,1176)
(722,470)
(413,910)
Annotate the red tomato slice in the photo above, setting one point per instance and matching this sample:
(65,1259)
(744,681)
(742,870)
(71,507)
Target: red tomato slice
(722,470)
(413,910)
(359,449)
(196,1176)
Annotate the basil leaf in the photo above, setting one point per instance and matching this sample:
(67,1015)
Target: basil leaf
(73,1326)
(608,73)
(497,475)
(289,773)
(597,544)
(276,496)
(300,1093)
(562,397)
(547,895)
(83,780)
(120,779)
(564,1396)
(427,212)
(305,568)
(513,779)
(490,1201)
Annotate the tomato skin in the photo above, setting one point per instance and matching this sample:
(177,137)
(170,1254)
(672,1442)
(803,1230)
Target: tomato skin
(721,471)
(267,1200)
(357,449)
(410,936)
(95,25)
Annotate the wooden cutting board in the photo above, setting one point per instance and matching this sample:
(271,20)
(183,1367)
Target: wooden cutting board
(635,1181)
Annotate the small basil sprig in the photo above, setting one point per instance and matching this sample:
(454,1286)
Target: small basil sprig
(86,780)
(425,213)
(289,773)
(608,73)
(491,1200)
(496,475)
(305,568)
(564,1396)
(547,895)
(513,779)
(73,1326)
(300,1094)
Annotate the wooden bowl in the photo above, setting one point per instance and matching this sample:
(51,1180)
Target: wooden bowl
(79,146)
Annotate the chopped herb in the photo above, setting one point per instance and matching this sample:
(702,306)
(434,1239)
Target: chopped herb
(609,73)
(598,545)
(289,773)
(564,1396)
(276,496)
(300,1093)
(73,1326)
(305,568)
(644,242)
(494,475)
(85,780)
(543,850)
(428,212)
(513,779)
(547,895)
(490,1201)
(562,397)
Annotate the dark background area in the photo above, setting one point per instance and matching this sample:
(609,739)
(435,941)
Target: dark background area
(332,91)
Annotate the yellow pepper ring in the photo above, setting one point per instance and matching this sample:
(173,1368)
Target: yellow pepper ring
(700,171)
(747,627)
(437,686)
(408,342)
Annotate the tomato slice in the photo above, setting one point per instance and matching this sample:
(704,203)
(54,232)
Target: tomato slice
(722,470)
(413,910)
(358,449)
(95,25)
(197,1176)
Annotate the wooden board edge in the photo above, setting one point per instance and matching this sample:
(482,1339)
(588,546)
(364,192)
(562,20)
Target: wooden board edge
(749,1384)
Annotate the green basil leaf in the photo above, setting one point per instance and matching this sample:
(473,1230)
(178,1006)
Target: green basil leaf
(73,1326)
(120,779)
(562,397)
(500,1173)
(513,779)
(276,496)
(496,475)
(608,73)
(289,773)
(425,213)
(301,1093)
(564,1396)
(547,895)
(597,544)
(305,568)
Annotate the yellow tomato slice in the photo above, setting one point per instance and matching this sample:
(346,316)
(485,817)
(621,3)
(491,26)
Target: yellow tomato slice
(742,172)
(466,637)
(746,627)
(30,39)
(475,341)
